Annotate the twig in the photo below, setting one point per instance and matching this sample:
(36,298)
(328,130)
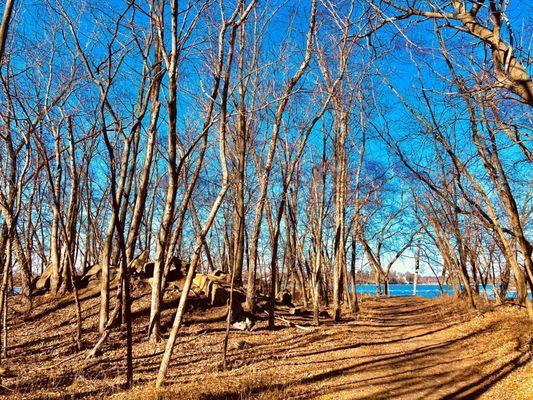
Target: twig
(289,323)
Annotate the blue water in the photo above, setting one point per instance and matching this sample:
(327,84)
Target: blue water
(405,290)
(421,290)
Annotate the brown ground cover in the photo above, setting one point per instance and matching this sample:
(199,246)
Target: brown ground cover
(396,348)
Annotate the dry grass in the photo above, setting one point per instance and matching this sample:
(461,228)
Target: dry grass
(404,348)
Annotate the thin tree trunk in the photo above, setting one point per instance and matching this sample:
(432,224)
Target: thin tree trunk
(3,293)
(4,28)
(417,268)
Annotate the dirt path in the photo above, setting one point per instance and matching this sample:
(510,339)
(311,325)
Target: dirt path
(408,348)
(397,348)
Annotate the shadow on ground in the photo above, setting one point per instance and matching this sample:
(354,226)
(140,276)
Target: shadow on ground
(397,348)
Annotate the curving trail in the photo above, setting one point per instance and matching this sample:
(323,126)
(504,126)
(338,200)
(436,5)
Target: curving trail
(398,348)
(414,348)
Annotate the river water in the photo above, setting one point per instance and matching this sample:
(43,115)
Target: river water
(421,290)
(407,290)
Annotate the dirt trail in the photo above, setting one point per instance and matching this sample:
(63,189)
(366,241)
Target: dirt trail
(396,348)
(409,348)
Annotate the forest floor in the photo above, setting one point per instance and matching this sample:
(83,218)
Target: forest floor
(396,348)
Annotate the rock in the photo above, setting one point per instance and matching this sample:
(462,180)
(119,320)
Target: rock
(200,280)
(218,273)
(141,266)
(285,297)
(295,311)
(218,295)
(139,262)
(173,286)
(175,271)
(92,276)
(94,271)
(245,324)
(147,269)
(217,289)
(237,311)
(43,282)
(217,276)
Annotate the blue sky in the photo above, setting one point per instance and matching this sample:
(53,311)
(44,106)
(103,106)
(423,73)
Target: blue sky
(404,45)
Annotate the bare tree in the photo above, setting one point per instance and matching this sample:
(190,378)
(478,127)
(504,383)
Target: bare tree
(265,177)
(4,28)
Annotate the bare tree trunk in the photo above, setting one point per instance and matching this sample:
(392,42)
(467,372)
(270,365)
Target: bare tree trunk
(228,323)
(142,188)
(4,28)
(355,302)
(417,268)
(168,213)
(3,294)
(55,259)
(108,246)
(340,183)
(24,264)
(240,150)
